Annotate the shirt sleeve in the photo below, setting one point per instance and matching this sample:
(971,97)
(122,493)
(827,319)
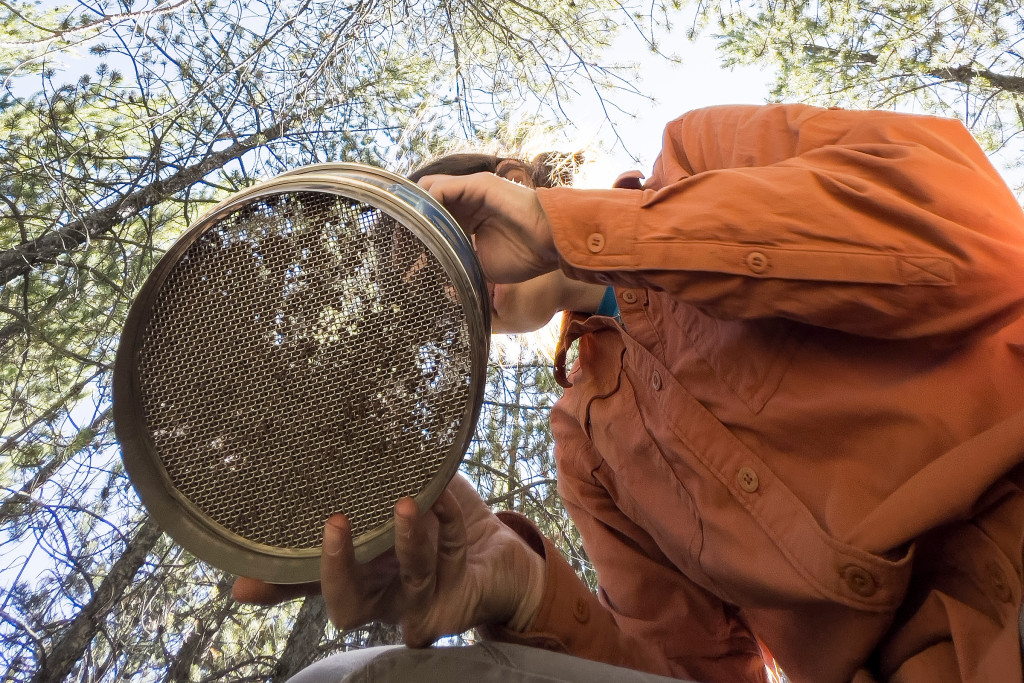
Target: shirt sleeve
(875,223)
(647,615)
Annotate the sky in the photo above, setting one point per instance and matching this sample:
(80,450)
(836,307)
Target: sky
(697,82)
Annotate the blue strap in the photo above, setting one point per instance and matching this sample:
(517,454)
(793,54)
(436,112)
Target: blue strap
(608,305)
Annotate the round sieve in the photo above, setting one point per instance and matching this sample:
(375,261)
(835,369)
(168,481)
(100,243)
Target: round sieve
(312,345)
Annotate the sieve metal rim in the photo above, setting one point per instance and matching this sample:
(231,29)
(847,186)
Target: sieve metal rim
(196,532)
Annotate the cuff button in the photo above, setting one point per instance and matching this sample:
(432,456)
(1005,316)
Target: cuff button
(757,262)
(859,580)
(581,610)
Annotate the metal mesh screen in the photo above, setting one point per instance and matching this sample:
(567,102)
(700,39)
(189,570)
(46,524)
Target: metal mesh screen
(306,352)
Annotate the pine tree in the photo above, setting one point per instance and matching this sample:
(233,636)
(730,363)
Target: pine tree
(947,58)
(119,123)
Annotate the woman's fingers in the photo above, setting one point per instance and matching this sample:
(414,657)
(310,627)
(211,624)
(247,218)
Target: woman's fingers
(512,234)
(416,549)
(421,584)
(415,546)
(340,576)
(463,196)
(451,539)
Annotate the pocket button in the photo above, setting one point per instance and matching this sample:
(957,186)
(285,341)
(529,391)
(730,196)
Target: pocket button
(1000,587)
(748,479)
(581,610)
(859,580)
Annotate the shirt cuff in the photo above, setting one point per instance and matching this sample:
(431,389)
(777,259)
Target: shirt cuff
(592,229)
(568,610)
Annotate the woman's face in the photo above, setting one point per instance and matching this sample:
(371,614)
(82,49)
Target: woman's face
(525,306)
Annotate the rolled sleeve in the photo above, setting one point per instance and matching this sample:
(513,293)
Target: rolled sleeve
(875,223)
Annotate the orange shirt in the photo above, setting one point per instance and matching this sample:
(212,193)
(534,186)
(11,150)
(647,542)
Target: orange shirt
(818,381)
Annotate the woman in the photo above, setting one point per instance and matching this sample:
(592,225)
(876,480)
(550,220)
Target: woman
(803,437)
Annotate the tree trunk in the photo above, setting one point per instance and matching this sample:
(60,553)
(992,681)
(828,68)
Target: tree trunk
(306,635)
(71,647)
(199,641)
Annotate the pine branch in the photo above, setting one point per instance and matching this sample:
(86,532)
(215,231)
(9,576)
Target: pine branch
(105,21)
(967,74)
(962,74)
(11,507)
(9,331)
(28,255)
(60,406)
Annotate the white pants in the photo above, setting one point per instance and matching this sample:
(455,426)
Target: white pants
(485,662)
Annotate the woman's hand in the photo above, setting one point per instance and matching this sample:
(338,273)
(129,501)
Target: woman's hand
(511,233)
(452,568)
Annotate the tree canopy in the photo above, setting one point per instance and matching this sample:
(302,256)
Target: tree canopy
(960,59)
(121,121)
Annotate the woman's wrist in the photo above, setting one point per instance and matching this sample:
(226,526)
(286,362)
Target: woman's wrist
(548,250)
(533,592)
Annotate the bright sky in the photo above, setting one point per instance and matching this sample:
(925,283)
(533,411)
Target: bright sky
(677,88)
(698,82)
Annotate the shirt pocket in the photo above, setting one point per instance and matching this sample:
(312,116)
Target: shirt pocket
(748,357)
(760,545)
(640,479)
